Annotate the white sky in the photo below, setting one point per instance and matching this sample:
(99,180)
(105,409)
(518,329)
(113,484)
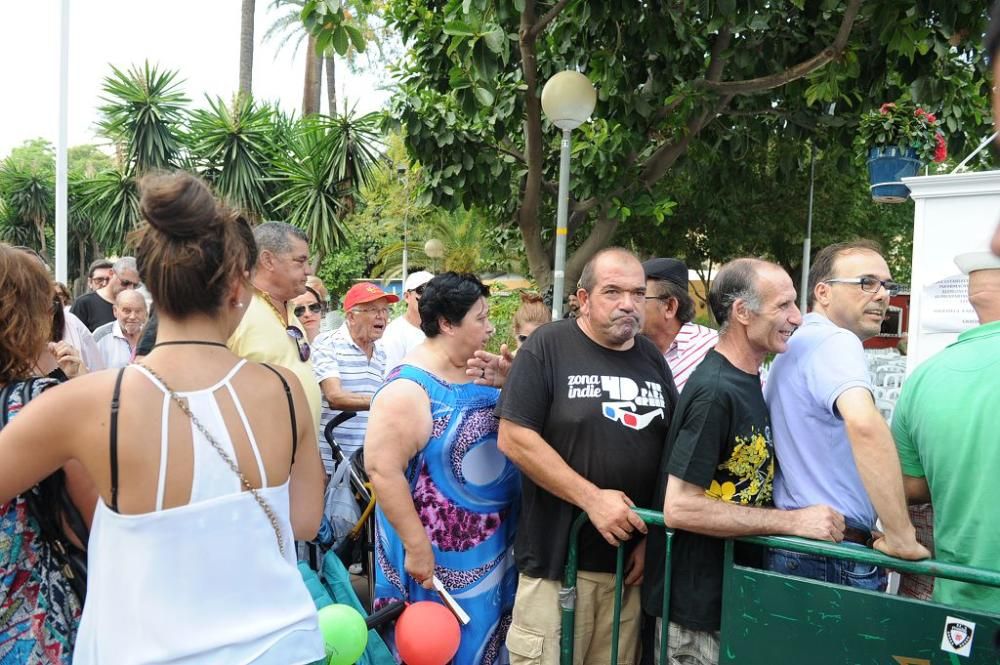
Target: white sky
(198,38)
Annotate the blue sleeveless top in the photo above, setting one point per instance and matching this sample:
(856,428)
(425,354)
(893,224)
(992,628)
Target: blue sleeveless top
(467,494)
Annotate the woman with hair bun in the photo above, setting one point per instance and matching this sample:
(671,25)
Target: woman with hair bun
(206,464)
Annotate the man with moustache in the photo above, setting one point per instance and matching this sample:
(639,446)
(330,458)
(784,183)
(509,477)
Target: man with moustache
(269,331)
(117,340)
(832,444)
(584,413)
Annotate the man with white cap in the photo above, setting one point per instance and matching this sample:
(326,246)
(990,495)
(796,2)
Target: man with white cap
(404,333)
(944,425)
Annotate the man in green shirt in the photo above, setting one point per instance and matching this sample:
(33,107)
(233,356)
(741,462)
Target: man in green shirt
(945,430)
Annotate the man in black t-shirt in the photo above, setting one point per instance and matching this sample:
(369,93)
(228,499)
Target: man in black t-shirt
(97,307)
(718,467)
(584,415)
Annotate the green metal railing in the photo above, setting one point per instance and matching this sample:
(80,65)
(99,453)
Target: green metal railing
(567,596)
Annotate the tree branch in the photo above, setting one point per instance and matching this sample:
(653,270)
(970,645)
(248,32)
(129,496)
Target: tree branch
(750,86)
(547,18)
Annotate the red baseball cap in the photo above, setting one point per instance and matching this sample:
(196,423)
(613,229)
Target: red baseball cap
(363,292)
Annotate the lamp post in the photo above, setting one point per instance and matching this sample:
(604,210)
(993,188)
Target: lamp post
(434,249)
(401,171)
(568,99)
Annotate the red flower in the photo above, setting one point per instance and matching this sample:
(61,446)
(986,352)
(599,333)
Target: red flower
(931,118)
(941,149)
(919,112)
(885,107)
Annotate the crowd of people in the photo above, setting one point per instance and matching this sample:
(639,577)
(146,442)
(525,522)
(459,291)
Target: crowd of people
(163,445)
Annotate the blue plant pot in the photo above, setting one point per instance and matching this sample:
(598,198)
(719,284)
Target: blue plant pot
(887,166)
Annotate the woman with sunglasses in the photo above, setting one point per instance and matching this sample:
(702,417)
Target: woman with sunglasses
(206,464)
(309,309)
(531,314)
(448,500)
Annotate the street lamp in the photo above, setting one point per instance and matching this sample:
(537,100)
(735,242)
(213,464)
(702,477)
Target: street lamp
(401,172)
(568,99)
(434,249)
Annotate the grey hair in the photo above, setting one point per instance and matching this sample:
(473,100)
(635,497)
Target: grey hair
(123,264)
(685,303)
(275,237)
(737,280)
(588,278)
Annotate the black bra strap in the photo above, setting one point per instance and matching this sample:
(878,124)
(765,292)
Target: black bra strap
(291,409)
(115,403)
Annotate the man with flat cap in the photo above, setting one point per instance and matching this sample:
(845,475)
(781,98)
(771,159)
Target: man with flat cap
(944,426)
(669,314)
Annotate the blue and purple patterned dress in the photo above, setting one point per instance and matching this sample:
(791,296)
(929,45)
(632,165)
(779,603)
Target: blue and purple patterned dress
(467,494)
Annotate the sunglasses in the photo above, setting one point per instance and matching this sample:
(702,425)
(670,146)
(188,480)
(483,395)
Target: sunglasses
(100,280)
(615,411)
(315,308)
(128,284)
(420,290)
(299,338)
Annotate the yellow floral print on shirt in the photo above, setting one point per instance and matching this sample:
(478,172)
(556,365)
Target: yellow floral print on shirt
(750,471)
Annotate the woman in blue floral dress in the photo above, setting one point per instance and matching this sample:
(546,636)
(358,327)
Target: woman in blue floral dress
(447,497)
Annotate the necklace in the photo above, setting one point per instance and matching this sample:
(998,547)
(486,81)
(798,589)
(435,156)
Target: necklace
(282,316)
(182,405)
(203,342)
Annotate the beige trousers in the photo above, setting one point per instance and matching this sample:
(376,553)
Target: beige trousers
(533,638)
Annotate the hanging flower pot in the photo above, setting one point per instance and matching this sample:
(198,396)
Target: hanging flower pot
(887,166)
(897,140)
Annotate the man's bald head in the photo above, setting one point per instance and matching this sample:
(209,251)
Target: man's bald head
(130,311)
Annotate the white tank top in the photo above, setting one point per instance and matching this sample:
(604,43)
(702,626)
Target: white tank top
(199,583)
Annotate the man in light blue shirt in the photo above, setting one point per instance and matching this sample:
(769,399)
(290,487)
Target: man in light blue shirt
(832,444)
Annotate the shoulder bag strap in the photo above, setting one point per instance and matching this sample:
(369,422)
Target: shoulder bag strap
(115,404)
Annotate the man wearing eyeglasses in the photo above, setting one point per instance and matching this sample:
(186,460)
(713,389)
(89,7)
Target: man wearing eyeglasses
(833,445)
(404,332)
(349,365)
(99,274)
(269,331)
(97,307)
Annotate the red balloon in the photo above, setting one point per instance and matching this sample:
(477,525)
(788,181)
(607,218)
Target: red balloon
(427,633)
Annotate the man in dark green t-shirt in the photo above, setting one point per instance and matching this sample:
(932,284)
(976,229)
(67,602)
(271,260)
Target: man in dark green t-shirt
(717,470)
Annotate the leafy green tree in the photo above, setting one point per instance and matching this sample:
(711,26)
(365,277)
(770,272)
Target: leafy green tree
(27,187)
(668,74)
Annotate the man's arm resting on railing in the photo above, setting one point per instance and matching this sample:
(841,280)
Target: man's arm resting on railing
(609,510)
(687,507)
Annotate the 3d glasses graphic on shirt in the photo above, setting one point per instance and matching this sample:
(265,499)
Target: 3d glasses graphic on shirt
(619,412)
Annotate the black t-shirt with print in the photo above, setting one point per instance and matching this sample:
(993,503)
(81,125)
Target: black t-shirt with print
(606,413)
(93,310)
(720,439)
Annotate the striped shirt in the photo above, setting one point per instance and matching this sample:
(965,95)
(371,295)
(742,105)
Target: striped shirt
(336,356)
(688,350)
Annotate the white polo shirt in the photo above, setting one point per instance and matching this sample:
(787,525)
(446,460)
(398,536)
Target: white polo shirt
(115,349)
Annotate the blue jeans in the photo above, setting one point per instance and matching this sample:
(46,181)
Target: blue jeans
(839,571)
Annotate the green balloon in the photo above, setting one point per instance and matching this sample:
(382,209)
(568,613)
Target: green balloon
(344,632)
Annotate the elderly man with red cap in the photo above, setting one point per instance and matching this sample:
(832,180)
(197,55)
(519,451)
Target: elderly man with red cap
(349,364)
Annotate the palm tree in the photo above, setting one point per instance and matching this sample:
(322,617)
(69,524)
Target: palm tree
(461,233)
(233,148)
(319,179)
(246,47)
(28,190)
(142,114)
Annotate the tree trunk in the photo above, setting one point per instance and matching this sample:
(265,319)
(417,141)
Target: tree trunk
(331,84)
(40,227)
(246,47)
(311,87)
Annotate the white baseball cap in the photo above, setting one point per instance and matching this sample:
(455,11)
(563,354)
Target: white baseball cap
(416,280)
(973,261)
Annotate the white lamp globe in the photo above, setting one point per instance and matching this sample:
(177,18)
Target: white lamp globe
(568,99)
(434,248)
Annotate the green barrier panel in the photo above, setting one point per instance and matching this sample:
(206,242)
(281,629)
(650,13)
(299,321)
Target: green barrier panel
(773,619)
